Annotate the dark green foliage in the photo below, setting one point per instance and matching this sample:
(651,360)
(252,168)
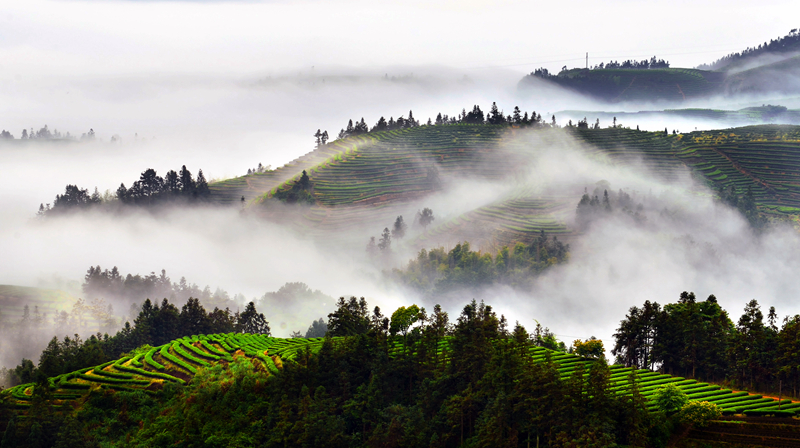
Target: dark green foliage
(350,318)
(301,192)
(317,329)
(251,321)
(437,272)
(150,190)
(10,435)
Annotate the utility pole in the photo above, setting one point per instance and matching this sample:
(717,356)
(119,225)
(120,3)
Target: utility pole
(587,59)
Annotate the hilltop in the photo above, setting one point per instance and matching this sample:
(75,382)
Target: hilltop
(772,67)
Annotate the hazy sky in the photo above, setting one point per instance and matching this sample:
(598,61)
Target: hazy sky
(224,85)
(62,37)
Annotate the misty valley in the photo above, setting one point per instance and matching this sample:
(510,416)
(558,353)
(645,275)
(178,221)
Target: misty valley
(603,255)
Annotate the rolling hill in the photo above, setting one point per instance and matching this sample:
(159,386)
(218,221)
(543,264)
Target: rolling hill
(362,183)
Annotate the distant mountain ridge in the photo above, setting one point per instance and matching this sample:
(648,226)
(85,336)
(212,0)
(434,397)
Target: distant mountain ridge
(772,67)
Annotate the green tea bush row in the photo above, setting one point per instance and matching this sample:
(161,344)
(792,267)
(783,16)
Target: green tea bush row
(148,358)
(119,376)
(135,361)
(765,413)
(104,379)
(197,351)
(740,399)
(713,393)
(177,348)
(216,351)
(175,360)
(751,404)
(147,373)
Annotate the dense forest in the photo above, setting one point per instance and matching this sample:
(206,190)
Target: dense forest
(483,391)
(698,339)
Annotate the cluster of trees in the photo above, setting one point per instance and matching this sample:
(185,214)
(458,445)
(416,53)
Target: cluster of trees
(474,116)
(150,190)
(155,325)
(383,246)
(785,44)
(45,133)
(631,64)
(745,204)
(352,393)
(644,64)
(301,191)
(260,169)
(438,271)
(111,284)
(698,339)
(592,208)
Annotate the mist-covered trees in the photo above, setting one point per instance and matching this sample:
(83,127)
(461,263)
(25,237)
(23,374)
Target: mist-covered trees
(437,271)
(591,208)
(473,116)
(149,190)
(301,191)
(786,44)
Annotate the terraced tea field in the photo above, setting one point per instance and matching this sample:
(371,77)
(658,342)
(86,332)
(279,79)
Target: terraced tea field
(179,360)
(764,158)
(175,362)
(363,183)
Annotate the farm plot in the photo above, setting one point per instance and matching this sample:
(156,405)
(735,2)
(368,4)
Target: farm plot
(177,362)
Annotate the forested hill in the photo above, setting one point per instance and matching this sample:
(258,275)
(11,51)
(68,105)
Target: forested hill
(474,382)
(771,67)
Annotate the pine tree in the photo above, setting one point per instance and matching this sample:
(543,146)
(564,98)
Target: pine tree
(399,229)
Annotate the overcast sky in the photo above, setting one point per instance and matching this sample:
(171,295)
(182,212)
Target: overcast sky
(62,37)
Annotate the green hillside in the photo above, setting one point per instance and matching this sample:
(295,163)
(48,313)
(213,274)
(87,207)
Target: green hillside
(617,85)
(178,361)
(365,182)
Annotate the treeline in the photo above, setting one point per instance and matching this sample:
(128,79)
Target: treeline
(474,116)
(44,133)
(485,390)
(630,64)
(591,208)
(697,339)
(788,43)
(150,190)
(155,325)
(111,284)
(438,271)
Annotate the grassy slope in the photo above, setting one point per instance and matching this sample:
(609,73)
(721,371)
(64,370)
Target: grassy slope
(179,360)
